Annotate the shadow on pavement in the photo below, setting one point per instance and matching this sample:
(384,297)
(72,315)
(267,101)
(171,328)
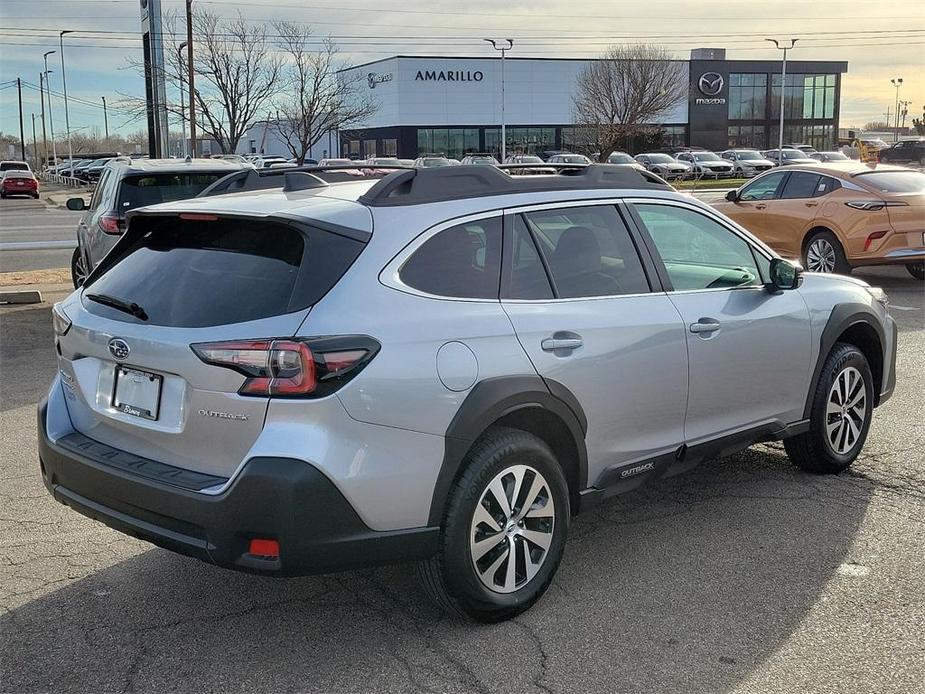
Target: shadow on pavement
(688,585)
(27,346)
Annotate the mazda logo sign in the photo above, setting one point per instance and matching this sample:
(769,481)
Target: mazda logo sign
(118,348)
(710,83)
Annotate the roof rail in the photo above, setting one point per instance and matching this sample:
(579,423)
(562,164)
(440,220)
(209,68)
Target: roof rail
(249,179)
(418,186)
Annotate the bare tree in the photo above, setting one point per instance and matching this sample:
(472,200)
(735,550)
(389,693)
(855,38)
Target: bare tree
(627,92)
(237,73)
(316,98)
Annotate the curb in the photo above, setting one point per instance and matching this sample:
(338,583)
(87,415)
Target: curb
(28,296)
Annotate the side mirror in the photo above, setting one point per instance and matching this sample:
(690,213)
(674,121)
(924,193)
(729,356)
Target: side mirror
(76,204)
(784,275)
(732,196)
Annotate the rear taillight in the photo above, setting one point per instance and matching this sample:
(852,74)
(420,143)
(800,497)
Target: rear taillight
(111,224)
(874,205)
(291,367)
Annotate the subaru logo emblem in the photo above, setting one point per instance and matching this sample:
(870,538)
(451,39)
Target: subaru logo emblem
(118,348)
(371,78)
(710,83)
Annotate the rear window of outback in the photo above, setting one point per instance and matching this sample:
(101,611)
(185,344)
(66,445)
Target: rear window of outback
(219,270)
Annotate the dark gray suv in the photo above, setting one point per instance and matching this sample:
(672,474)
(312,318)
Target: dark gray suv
(128,184)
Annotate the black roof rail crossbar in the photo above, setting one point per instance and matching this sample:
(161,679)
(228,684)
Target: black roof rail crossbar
(447,183)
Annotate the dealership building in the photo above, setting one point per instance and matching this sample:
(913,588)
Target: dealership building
(453,105)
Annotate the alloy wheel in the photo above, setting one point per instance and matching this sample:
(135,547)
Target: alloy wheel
(820,256)
(845,410)
(80,272)
(512,529)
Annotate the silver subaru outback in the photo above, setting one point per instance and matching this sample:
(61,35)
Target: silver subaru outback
(443,365)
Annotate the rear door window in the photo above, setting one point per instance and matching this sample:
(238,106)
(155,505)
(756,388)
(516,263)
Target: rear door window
(461,262)
(801,184)
(194,273)
(150,189)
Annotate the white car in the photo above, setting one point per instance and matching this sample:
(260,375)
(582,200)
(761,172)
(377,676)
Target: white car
(267,162)
(747,162)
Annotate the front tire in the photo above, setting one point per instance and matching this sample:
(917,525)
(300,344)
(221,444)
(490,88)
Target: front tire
(840,417)
(824,253)
(504,529)
(917,270)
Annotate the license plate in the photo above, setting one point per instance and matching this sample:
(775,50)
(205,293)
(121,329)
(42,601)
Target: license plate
(137,393)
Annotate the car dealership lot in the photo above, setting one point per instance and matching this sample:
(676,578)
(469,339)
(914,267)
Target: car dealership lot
(742,575)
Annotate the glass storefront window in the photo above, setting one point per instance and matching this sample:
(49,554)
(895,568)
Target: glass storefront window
(389,148)
(747,96)
(454,143)
(746,136)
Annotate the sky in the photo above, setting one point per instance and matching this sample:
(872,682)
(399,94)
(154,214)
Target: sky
(879,41)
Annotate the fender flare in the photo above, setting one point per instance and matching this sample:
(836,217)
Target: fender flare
(490,400)
(843,317)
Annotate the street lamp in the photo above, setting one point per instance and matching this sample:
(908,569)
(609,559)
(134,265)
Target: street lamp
(51,117)
(182,105)
(783,86)
(904,106)
(896,82)
(503,49)
(67,119)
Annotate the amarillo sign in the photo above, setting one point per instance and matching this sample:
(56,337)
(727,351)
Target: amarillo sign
(449,76)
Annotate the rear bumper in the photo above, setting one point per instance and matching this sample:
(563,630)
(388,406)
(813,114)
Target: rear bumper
(276,498)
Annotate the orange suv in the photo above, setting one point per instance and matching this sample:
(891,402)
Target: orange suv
(837,216)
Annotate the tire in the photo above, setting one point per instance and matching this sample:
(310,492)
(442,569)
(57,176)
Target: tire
(824,253)
(917,270)
(451,577)
(78,271)
(836,435)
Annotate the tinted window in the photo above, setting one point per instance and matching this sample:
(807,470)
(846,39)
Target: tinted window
(826,185)
(193,274)
(894,181)
(765,188)
(14,166)
(463,262)
(589,252)
(528,278)
(698,252)
(139,191)
(800,185)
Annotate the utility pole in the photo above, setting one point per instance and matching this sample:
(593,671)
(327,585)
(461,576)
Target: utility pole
(904,105)
(67,118)
(51,111)
(503,49)
(783,89)
(22,137)
(105,121)
(896,82)
(35,147)
(192,82)
(44,136)
(180,48)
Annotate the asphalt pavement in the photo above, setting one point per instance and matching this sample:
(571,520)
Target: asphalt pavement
(37,223)
(744,575)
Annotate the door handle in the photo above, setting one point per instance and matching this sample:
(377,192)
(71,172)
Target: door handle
(811,204)
(760,206)
(553,344)
(705,325)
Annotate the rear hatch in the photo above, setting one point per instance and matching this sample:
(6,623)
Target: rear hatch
(133,379)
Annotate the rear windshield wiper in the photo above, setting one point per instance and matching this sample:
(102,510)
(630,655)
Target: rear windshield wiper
(119,304)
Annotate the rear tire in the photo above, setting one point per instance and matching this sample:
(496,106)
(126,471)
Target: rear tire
(78,269)
(471,574)
(824,253)
(840,416)
(917,270)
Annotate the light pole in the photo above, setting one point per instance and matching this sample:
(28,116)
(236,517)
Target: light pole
(182,106)
(51,111)
(44,133)
(904,105)
(896,82)
(105,122)
(67,119)
(503,49)
(783,87)
(192,83)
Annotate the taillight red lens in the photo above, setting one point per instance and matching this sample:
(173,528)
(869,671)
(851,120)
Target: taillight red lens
(111,224)
(286,367)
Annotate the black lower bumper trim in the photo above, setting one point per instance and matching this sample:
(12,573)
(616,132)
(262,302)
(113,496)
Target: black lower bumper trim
(279,498)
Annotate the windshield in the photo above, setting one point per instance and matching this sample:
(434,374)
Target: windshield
(705,156)
(574,159)
(894,181)
(616,158)
(794,154)
(385,161)
(435,161)
(530,160)
(139,191)
(661,158)
(835,156)
(482,160)
(748,154)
